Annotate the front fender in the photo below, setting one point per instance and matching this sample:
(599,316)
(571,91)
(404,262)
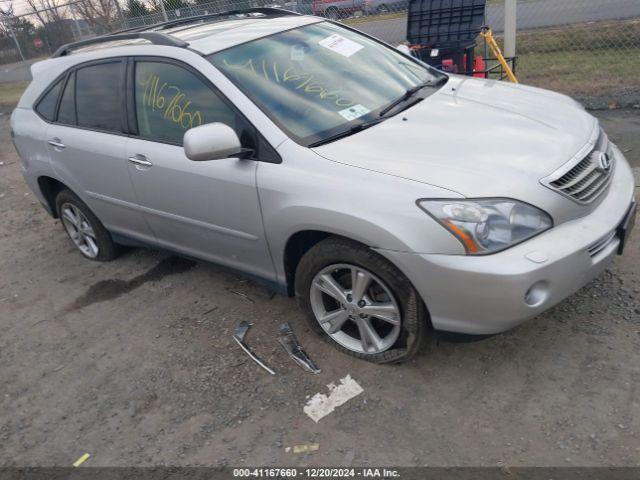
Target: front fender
(309,192)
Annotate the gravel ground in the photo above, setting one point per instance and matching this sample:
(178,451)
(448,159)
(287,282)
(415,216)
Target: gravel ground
(133,362)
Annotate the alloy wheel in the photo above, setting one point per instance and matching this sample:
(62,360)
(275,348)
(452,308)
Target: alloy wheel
(355,308)
(79,229)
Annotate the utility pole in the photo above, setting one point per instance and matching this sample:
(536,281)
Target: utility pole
(75,22)
(510,21)
(164,12)
(13,35)
(119,10)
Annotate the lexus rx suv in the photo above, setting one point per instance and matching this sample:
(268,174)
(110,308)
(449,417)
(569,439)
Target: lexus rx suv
(390,198)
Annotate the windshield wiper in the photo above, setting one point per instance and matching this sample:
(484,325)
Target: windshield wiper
(411,92)
(381,116)
(350,131)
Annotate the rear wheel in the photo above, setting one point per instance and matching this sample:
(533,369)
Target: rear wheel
(360,302)
(84,229)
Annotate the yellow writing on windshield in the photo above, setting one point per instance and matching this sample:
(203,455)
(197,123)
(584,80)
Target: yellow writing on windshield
(170,101)
(274,72)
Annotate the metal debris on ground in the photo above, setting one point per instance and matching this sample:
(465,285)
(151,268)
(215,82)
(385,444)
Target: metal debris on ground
(291,345)
(210,311)
(243,295)
(321,405)
(309,447)
(238,335)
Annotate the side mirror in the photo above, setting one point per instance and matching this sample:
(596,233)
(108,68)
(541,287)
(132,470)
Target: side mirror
(213,141)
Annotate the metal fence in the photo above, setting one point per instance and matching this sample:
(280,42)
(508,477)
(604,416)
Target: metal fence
(589,49)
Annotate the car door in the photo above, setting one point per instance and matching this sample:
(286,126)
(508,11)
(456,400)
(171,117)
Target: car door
(207,209)
(87,146)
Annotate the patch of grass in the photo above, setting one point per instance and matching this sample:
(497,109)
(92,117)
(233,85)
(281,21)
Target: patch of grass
(591,36)
(588,61)
(585,74)
(374,18)
(10,93)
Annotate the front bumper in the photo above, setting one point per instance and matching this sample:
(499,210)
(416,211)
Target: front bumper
(490,294)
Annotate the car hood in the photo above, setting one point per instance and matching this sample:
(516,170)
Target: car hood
(479,138)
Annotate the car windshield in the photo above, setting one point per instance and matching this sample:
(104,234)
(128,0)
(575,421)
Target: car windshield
(320,80)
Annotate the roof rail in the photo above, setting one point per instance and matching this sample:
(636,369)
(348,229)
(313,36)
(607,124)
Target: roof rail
(267,11)
(156,38)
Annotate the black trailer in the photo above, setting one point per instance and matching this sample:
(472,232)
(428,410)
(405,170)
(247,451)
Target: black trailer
(443,33)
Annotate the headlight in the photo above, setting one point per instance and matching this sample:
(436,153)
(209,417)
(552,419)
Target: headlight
(488,225)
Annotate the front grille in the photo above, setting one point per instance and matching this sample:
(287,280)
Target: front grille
(588,179)
(596,247)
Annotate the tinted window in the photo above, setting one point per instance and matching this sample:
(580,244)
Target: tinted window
(47,106)
(170,100)
(67,111)
(98,101)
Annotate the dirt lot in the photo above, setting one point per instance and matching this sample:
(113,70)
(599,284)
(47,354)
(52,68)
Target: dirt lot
(133,362)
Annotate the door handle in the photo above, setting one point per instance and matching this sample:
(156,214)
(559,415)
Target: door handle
(55,142)
(140,160)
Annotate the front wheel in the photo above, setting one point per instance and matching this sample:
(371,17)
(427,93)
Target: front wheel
(360,302)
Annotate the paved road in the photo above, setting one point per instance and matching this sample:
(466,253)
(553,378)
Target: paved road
(15,72)
(531,14)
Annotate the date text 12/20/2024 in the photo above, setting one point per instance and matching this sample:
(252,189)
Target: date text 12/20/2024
(325,472)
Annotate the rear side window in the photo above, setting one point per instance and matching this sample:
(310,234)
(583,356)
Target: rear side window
(67,110)
(47,106)
(98,96)
(170,100)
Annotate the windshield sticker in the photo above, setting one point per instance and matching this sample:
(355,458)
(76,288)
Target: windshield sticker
(354,112)
(339,44)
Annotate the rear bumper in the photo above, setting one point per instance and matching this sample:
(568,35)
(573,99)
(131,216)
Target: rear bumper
(490,294)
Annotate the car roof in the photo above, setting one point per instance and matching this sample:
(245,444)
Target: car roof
(205,34)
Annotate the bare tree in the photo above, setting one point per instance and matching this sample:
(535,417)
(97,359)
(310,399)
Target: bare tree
(12,26)
(7,19)
(47,11)
(56,28)
(102,15)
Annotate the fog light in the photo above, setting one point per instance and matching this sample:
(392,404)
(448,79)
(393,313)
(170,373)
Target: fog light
(537,293)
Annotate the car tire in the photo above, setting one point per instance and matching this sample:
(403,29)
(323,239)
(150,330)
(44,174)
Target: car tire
(331,256)
(84,229)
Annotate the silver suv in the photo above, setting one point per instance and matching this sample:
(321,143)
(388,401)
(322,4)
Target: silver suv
(390,198)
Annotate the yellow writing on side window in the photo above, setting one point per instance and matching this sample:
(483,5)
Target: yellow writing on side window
(170,101)
(274,72)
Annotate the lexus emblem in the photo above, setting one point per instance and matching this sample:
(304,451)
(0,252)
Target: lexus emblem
(604,161)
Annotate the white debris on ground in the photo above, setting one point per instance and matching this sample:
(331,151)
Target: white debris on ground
(321,405)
